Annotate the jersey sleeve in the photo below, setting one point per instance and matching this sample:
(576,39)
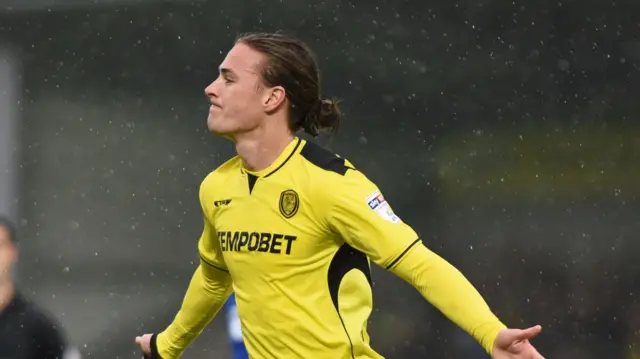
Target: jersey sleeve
(209,245)
(448,290)
(365,220)
(208,290)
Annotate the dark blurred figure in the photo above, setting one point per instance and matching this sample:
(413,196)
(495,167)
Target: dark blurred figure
(26,331)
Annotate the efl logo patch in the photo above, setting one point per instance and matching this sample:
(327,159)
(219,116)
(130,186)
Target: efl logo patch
(379,205)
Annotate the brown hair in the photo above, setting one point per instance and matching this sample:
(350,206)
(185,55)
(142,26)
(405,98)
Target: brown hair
(292,65)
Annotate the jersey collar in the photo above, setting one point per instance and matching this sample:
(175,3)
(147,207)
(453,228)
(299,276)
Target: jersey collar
(282,159)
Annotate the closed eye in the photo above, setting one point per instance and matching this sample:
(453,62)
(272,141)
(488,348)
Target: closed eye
(227,75)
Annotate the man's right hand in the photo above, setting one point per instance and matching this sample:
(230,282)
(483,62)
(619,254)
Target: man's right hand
(145,344)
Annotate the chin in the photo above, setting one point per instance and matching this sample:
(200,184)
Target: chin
(221,131)
(214,126)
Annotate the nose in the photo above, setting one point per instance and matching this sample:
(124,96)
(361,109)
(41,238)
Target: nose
(211,91)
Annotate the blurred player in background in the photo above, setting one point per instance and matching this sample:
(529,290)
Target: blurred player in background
(291,227)
(26,331)
(234,330)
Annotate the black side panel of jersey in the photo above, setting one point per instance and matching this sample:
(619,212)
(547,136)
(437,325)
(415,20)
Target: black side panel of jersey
(346,259)
(324,159)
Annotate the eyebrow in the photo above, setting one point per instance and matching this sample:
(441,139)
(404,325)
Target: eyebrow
(227,72)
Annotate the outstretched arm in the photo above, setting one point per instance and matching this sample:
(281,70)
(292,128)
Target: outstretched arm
(449,291)
(361,215)
(208,290)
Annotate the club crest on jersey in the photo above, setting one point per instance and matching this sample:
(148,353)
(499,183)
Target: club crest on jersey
(289,203)
(378,204)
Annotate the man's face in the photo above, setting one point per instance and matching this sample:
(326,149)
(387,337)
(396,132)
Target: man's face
(8,253)
(237,96)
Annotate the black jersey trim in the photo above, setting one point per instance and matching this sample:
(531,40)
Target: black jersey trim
(295,149)
(154,349)
(323,158)
(403,253)
(345,259)
(212,265)
(252,181)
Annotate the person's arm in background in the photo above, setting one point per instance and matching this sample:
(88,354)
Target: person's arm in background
(360,214)
(208,290)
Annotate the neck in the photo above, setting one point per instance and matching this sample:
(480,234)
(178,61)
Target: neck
(261,147)
(7,291)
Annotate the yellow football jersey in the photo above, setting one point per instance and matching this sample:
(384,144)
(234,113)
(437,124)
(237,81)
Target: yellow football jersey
(296,238)
(294,242)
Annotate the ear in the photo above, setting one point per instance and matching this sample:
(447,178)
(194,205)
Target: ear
(274,98)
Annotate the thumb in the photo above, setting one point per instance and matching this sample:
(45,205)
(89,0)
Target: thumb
(138,340)
(528,333)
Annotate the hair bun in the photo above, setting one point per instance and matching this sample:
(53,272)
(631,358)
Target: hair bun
(324,115)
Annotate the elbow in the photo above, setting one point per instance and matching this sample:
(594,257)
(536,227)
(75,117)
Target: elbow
(216,282)
(413,264)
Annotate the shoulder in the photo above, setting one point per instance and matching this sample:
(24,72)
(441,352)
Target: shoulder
(40,320)
(44,329)
(332,177)
(325,161)
(218,176)
(331,171)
